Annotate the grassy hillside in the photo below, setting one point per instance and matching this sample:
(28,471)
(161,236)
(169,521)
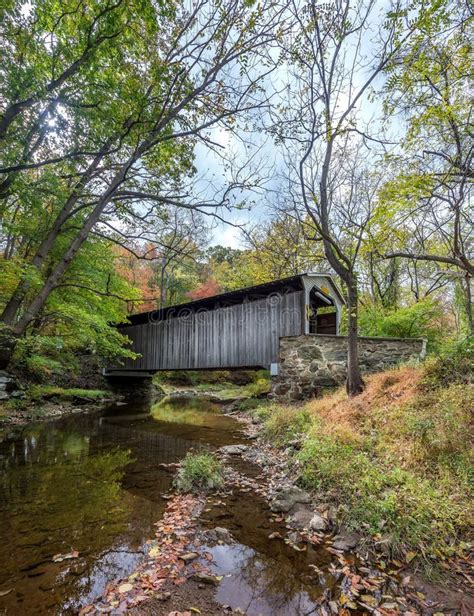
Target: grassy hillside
(396,461)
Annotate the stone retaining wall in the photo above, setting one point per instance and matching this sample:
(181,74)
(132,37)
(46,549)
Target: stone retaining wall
(314,362)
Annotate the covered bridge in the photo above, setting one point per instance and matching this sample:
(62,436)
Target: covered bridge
(232,330)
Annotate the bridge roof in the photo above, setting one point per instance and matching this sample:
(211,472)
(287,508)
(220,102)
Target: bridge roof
(259,291)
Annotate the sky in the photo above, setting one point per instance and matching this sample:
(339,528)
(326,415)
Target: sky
(210,164)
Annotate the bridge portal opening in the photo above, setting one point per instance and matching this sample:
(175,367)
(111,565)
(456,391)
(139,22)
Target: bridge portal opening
(322,313)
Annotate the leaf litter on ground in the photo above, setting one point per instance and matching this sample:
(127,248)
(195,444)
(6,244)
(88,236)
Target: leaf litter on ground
(168,559)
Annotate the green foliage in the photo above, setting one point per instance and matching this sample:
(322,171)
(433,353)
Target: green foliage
(190,378)
(77,318)
(41,358)
(41,368)
(412,510)
(251,406)
(199,472)
(280,248)
(438,421)
(39,392)
(423,319)
(454,364)
(224,384)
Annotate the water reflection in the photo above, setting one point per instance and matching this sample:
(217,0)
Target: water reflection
(255,585)
(262,576)
(92,484)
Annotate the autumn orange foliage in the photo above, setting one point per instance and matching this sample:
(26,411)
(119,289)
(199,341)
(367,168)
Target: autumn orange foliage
(207,289)
(140,274)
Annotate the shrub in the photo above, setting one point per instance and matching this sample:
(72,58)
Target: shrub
(421,320)
(454,364)
(42,358)
(199,472)
(41,368)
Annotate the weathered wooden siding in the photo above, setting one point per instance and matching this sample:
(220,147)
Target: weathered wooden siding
(245,334)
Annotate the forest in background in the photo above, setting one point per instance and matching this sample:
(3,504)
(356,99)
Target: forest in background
(106,205)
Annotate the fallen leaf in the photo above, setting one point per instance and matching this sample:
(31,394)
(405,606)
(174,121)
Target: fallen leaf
(369,600)
(58,558)
(123,588)
(154,552)
(208,579)
(275,535)
(409,556)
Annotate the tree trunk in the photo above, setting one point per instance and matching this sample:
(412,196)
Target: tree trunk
(53,279)
(58,271)
(468,304)
(13,305)
(354,384)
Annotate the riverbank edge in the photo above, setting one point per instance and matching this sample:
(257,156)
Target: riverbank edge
(454,595)
(48,410)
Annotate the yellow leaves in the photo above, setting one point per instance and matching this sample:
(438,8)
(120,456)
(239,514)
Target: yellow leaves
(409,556)
(154,552)
(346,601)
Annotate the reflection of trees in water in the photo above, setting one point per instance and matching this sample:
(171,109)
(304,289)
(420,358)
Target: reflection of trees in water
(45,443)
(67,496)
(148,449)
(49,508)
(274,581)
(145,443)
(85,483)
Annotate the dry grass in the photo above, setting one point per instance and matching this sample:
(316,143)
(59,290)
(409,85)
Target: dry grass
(384,391)
(396,459)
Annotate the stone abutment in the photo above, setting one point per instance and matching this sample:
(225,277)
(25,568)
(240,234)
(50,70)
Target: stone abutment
(314,362)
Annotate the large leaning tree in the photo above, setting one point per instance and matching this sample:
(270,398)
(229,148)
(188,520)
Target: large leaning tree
(102,103)
(337,57)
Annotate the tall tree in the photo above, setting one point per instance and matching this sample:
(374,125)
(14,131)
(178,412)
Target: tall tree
(429,87)
(126,119)
(338,53)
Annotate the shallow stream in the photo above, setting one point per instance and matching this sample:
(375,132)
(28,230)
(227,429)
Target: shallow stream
(93,484)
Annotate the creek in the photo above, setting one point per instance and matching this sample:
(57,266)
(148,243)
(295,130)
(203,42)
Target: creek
(93,484)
